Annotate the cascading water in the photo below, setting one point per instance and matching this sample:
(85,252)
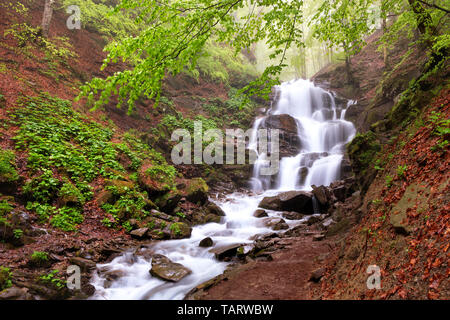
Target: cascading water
(323,132)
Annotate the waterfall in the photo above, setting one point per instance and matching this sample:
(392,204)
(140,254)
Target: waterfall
(323,135)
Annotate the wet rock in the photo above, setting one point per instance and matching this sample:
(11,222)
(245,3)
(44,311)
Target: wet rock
(226,251)
(289,141)
(260,213)
(140,233)
(207,242)
(317,274)
(114,275)
(180,230)
(313,219)
(213,208)
(292,215)
(15,293)
(298,201)
(322,195)
(169,201)
(276,223)
(212,218)
(196,191)
(165,269)
(340,193)
(84,264)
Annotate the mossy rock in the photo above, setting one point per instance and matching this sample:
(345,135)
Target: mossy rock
(119,187)
(169,201)
(156,179)
(196,191)
(180,230)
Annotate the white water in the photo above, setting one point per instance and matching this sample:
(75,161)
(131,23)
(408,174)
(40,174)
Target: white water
(323,136)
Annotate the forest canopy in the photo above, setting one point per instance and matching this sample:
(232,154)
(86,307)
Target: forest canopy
(172,35)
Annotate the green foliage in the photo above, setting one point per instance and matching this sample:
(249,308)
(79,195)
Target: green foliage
(27,35)
(220,63)
(8,171)
(401,170)
(175,228)
(69,191)
(343,23)
(174,36)
(388,180)
(5,278)
(42,188)
(164,174)
(5,208)
(67,219)
(98,15)
(39,257)
(18,233)
(52,279)
(44,211)
(127,226)
(57,136)
(181,215)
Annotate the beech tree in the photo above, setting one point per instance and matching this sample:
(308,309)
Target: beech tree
(173,35)
(47,17)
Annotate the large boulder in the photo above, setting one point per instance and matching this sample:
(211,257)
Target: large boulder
(196,191)
(166,269)
(298,201)
(289,140)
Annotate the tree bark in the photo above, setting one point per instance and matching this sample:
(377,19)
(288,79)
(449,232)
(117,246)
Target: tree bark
(47,17)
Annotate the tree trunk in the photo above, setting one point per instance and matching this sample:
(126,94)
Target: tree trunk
(47,17)
(384,28)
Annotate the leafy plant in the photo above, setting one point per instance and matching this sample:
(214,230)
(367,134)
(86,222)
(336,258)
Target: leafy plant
(18,233)
(388,180)
(8,172)
(67,219)
(401,169)
(39,257)
(5,278)
(52,279)
(5,208)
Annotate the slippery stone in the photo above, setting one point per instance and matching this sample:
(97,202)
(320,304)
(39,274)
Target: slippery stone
(298,201)
(260,213)
(207,242)
(167,270)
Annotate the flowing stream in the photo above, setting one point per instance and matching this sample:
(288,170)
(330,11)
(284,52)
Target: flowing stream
(323,133)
